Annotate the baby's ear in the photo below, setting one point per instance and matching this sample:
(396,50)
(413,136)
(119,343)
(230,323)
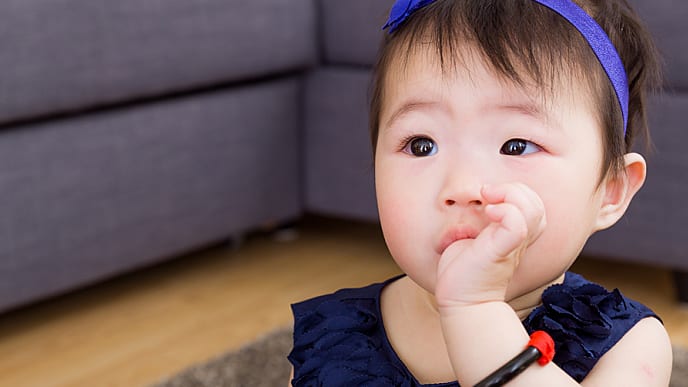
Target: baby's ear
(619,190)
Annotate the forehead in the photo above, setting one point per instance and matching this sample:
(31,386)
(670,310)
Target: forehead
(422,75)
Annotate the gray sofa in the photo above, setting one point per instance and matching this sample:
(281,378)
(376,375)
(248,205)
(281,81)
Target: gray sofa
(134,132)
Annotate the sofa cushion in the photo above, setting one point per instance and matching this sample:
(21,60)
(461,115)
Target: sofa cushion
(666,19)
(654,228)
(68,55)
(352,30)
(338,159)
(89,197)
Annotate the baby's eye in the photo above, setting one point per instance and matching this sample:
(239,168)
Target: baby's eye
(420,147)
(519,147)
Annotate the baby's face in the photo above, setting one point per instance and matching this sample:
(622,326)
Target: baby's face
(443,136)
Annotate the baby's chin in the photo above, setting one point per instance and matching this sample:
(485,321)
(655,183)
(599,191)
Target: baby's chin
(530,288)
(423,285)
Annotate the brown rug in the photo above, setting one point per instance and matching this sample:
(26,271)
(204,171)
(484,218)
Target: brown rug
(264,363)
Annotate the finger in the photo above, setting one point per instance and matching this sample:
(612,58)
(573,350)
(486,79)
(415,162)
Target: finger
(516,193)
(507,232)
(524,198)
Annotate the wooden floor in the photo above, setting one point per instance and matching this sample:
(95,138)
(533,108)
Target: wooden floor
(139,328)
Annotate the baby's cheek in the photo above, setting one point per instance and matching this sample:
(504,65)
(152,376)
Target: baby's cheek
(403,229)
(391,216)
(396,225)
(553,252)
(394,206)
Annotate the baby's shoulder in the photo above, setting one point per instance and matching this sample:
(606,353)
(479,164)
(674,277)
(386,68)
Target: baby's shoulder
(643,357)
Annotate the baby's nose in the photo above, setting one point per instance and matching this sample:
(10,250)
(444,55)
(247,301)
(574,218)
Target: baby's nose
(462,188)
(452,202)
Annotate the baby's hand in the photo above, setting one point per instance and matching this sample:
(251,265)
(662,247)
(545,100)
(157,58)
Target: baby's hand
(473,271)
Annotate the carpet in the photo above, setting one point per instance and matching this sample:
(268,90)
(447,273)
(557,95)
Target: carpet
(263,363)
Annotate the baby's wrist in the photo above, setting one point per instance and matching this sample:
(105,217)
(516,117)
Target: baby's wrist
(456,308)
(453,297)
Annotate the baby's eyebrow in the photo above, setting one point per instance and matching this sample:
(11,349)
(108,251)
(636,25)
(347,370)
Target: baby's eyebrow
(531,109)
(413,105)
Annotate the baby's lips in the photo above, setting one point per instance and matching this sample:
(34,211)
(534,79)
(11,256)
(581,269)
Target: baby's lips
(455,234)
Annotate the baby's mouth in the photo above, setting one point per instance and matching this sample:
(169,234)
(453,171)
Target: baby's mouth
(455,234)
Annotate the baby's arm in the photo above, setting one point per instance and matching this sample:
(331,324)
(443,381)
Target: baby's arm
(483,332)
(643,357)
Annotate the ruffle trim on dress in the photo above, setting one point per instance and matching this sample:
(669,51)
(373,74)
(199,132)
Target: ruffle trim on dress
(580,319)
(334,347)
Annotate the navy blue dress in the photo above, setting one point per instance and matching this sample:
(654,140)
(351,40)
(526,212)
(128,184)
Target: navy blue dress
(339,339)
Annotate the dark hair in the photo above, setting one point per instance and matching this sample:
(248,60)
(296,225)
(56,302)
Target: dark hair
(525,41)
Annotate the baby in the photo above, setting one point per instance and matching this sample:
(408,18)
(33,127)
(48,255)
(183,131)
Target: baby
(502,133)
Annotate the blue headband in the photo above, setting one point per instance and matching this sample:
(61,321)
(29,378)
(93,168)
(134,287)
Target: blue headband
(586,25)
